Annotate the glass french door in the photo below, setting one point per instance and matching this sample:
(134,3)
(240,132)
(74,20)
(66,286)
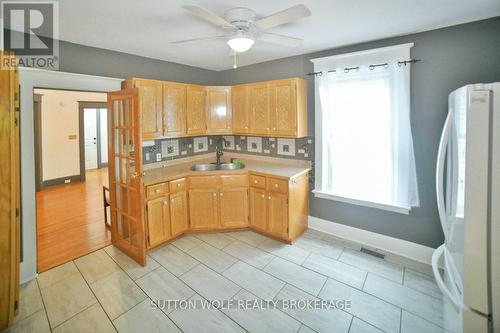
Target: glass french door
(125,172)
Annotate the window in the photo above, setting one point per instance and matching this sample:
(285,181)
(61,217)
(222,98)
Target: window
(364,146)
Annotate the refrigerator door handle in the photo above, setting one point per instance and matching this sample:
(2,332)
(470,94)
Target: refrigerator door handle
(436,256)
(443,145)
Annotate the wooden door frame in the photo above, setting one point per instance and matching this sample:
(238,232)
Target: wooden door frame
(82,105)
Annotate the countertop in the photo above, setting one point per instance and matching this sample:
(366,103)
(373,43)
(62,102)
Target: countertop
(286,168)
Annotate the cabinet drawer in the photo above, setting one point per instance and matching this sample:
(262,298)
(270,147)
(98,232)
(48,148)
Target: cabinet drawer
(210,182)
(234,180)
(277,185)
(178,185)
(157,190)
(258,181)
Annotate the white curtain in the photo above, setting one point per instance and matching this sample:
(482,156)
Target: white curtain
(366,147)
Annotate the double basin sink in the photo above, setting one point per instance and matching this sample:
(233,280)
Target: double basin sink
(213,166)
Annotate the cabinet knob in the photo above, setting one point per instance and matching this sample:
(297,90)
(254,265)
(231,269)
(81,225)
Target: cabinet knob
(246,127)
(165,203)
(157,190)
(274,128)
(267,128)
(221,194)
(255,181)
(172,200)
(262,195)
(275,185)
(215,194)
(269,197)
(178,185)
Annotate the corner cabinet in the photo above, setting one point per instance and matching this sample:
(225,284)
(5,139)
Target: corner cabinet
(272,108)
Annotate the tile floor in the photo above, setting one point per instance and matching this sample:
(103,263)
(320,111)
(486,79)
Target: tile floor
(106,291)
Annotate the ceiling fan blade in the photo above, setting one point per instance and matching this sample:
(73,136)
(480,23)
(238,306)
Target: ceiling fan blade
(282,17)
(279,39)
(196,39)
(209,16)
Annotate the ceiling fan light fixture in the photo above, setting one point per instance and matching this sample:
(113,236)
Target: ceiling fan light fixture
(240,42)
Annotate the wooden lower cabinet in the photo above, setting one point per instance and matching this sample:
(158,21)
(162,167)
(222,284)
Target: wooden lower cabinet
(203,209)
(277,214)
(275,206)
(158,221)
(179,213)
(233,204)
(258,209)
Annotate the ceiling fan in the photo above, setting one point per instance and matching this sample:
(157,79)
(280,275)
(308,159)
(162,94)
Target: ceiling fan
(242,28)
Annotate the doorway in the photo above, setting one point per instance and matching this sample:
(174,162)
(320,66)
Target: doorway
(71,171)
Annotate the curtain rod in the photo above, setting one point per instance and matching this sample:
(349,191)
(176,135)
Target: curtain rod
(371,67)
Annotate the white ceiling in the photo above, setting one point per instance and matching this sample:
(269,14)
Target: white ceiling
(145,27)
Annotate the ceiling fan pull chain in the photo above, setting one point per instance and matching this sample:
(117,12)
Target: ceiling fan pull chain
(234,64)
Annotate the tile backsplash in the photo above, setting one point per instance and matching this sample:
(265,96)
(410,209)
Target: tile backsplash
(174,148)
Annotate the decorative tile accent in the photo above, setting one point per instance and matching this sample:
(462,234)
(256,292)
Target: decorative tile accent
(229,144)
(200,144)
(254,144)
(286,147)
(169,148)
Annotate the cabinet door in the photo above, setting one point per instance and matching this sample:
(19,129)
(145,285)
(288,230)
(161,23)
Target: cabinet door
(239,97)
(283,107)
(158,214)
(150,97)
(195,110)
(174,109)
(178,212)
(233,203)
(203,212)
(260,108)
(278,214)
(258,208)
(218,109)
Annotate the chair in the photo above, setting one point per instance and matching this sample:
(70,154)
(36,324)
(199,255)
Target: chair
(106,203)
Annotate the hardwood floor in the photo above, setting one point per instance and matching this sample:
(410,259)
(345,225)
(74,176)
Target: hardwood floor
(70,220)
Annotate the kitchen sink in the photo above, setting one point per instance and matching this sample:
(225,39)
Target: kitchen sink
(212,167)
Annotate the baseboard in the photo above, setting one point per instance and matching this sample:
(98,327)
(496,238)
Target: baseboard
(60,181)
(384,243)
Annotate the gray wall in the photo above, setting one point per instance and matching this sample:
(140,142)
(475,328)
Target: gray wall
(451,57)
(75,58)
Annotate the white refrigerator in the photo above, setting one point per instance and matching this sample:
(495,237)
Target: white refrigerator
(467,266)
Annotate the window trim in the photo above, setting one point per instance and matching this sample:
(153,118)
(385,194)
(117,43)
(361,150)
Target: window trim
(392,208)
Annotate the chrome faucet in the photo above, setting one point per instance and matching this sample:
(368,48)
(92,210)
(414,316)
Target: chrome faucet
(219,145)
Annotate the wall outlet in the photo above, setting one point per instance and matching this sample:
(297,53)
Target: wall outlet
(67,181)
(147,156)
(158,157)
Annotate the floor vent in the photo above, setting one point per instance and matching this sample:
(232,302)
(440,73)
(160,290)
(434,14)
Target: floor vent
(373,253)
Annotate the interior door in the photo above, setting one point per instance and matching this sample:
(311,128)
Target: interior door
(125,172)
(90,138)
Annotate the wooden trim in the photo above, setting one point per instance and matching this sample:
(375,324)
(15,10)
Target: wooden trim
(60,181)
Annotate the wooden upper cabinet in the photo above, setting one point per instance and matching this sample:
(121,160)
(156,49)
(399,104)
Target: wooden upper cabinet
(239,97)
(158,221)
(150,96)
(174,109)
(233,204)
(283,107)
(260,121)
(195,110)
(218,110)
